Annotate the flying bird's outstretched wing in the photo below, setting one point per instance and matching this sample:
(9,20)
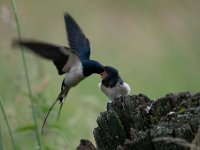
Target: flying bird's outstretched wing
(62,57)
(76,38)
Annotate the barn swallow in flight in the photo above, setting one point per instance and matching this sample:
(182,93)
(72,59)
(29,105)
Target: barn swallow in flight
(75,61)
(112,84)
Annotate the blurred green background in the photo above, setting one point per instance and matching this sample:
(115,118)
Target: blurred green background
(154,44)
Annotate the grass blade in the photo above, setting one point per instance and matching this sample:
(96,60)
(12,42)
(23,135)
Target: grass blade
(1,140)
(7,124)
(14,8)
(25,128)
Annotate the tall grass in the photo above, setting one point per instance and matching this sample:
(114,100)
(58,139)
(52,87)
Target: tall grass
(1,139)
(9,129)
(14,8)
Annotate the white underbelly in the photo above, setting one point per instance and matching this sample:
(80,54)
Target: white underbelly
(74,76)
(117,91)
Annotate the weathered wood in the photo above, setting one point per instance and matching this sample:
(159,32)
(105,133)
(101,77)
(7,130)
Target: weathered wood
(86,145)
(133,122)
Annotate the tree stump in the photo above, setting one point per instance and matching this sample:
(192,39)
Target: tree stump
(139,123)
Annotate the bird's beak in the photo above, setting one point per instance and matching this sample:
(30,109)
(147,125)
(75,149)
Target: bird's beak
(104,75)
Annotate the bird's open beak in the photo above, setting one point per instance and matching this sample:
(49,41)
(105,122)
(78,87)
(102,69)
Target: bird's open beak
(104,75)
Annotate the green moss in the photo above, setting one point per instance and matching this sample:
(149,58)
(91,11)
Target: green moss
(183,109)
(155,119)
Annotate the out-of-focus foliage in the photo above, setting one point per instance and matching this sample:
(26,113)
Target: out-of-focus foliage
(154,44)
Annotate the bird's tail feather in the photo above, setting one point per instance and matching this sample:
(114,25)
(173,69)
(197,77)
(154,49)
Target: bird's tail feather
(61,103)
(60,98)
(59,111)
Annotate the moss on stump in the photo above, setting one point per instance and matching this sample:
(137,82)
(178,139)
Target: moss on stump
(139,123)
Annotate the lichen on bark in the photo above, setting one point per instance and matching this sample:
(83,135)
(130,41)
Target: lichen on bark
(133,122)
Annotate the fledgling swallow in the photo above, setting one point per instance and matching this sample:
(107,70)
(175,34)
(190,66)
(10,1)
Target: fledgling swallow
(112,84)
(75,61)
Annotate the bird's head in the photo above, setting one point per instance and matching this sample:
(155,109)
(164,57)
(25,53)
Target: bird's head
(92,66)
(110,76)
(109,72)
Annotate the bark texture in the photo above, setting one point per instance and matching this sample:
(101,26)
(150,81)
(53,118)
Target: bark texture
(138,123)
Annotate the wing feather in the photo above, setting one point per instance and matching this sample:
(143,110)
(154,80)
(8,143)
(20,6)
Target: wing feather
(60,55)
(76,38)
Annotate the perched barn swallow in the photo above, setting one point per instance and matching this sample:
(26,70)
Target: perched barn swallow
(75,61)
(112,84)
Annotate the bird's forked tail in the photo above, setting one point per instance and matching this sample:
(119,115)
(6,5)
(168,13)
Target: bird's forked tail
(61,97)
